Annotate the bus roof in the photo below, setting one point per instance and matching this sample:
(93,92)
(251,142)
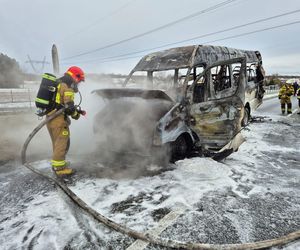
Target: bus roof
(190,56)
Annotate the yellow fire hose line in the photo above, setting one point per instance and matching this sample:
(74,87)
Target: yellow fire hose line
(137,235)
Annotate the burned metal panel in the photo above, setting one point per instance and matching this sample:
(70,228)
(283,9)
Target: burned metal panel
(165,60)
(209,55)
(171,126)
(127,92)
(182,57)
(217,122)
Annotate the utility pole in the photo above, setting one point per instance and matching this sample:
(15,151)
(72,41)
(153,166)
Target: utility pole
(55,60)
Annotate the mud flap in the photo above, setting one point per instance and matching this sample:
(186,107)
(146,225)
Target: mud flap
(229,148)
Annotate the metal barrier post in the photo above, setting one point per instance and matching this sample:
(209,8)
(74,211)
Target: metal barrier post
(29,98)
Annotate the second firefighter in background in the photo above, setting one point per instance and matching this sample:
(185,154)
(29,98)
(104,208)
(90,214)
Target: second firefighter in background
(59,126)
(285,93)
(298,97)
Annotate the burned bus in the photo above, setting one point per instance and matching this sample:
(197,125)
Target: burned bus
(188,99)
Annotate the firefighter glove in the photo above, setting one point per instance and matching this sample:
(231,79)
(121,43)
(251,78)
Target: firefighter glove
(80,111)
(75,115)
(70,108)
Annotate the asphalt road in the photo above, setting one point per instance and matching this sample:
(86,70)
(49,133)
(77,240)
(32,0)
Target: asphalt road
(272,106)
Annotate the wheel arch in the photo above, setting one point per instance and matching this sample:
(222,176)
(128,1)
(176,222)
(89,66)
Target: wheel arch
(247,106)
(247,112)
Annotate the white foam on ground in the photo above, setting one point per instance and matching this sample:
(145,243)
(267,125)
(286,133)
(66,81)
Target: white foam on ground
(186,184)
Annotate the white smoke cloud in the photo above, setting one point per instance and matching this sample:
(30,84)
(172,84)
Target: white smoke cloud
(124,129)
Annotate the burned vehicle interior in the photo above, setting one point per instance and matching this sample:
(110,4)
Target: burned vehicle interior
(183,100)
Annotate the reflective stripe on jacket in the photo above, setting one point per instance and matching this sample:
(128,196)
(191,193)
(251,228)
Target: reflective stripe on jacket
(286,91)
(64,94)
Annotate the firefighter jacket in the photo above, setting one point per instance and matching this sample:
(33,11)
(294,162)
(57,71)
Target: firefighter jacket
(285,92)
(65,98)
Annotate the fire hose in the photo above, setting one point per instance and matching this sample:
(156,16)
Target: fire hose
(157,240)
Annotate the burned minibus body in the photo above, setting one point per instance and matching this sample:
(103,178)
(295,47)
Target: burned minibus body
(203,96)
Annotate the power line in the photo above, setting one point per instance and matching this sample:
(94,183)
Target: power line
(104,61)
(255,31)
(196,37)
(217,40)
(154,30)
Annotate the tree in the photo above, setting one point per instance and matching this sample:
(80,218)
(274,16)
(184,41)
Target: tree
(11,76)
(273,80)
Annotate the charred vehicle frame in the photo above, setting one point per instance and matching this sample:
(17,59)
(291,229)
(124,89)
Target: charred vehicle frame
(210,92)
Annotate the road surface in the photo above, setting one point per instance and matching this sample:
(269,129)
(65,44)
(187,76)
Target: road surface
(272,106)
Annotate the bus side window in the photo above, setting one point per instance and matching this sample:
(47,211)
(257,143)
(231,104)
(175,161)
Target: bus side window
(236,73)
(251,72)
(224,80)
(221,78)
(199,90)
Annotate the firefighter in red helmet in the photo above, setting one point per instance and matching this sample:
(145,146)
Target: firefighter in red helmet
(59,127)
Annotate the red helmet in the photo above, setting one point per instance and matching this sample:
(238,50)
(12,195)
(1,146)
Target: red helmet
(76,73)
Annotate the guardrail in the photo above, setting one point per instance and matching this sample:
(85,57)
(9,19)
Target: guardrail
(271,91)
(16,100)
(16,95)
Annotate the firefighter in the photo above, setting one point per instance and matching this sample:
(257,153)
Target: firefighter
(298,96)
(295,86)
(59,127)
(285,93)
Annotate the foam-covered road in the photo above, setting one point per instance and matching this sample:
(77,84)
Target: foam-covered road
(253,195)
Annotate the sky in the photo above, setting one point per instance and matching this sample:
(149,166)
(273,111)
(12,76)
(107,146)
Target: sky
(95,35)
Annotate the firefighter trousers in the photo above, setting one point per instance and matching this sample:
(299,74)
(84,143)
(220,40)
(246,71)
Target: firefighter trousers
(287,101)
(58,129)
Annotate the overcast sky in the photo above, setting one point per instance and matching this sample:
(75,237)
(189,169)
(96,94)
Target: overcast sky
(30,27)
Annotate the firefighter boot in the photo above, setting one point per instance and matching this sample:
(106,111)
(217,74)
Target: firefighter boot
(63,171)
(283,108)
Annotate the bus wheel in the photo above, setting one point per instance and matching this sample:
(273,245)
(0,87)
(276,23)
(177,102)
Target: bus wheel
(180,148)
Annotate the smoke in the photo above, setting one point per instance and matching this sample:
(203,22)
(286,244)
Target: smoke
(10,73)
(82,136)
(14,131)
(116,134)
(114,139)
(127,125)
